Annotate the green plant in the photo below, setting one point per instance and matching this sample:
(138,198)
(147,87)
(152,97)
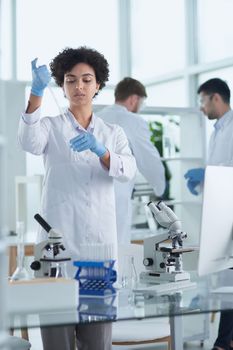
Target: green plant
(156,129)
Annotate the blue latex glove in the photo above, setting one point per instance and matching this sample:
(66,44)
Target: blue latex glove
(87,141)
(195,177)
(40,78)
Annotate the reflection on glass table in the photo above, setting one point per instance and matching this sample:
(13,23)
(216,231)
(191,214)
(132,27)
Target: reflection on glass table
(127,304)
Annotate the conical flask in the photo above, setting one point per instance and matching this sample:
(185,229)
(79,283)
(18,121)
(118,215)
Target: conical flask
(20,272)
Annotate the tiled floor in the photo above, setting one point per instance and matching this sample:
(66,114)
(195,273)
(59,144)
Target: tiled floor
(34,335)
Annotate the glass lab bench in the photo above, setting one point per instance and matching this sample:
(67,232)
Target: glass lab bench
(126,304)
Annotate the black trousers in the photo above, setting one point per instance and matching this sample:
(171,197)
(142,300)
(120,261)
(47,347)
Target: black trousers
(225,330)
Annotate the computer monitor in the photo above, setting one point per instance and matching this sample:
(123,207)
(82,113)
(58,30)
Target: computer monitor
(216,238)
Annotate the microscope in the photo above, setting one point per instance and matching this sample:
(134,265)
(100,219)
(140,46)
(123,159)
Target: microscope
(164,263)
(49,254)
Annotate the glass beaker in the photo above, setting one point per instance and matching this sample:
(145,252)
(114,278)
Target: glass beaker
(20,272)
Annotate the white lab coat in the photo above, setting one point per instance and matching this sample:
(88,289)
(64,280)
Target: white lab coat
(147,159)
(78,192)
(221,142)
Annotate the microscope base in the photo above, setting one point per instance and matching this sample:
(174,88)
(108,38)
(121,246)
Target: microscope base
(156,277)
(164,287)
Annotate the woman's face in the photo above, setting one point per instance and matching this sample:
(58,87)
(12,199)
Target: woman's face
(80,85)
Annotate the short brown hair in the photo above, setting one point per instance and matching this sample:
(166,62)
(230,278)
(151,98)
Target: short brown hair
(127,87)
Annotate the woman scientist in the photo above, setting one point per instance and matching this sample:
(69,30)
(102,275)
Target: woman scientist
(82,155)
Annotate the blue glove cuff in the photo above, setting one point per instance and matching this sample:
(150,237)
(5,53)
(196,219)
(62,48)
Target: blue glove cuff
(100,150)
(37,92)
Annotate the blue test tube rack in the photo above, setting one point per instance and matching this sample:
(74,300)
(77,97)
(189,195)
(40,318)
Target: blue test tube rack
(96,277)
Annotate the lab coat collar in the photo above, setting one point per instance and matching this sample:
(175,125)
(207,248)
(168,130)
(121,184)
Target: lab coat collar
(79,127)
(121,107)
(220,123)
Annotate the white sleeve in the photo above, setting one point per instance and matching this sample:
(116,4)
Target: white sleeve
(148,158)
(33,132)
(122,162)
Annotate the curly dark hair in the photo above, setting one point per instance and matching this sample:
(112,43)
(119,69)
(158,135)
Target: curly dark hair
(68,58)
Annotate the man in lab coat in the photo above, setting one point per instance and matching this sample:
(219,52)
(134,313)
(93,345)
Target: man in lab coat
(215,104)
(129,96)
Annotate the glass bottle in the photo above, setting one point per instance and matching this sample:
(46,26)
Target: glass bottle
(168,141)
(129,273)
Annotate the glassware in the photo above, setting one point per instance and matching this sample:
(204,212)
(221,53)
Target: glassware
(129,274)
(168,141)
(20,272)
(58,269)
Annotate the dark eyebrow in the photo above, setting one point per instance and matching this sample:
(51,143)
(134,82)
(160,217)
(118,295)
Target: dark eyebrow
(86,74)
(69,75)
(74,76)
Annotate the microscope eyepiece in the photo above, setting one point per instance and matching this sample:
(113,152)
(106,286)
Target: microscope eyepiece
(42,222)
